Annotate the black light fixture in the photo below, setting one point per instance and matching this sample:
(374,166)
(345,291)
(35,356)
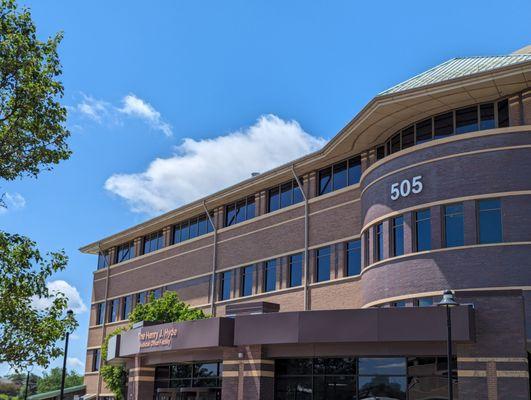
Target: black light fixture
(69,315)
(448,301)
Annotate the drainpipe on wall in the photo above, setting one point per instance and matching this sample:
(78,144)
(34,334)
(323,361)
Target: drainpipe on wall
(306,239)
(214,256)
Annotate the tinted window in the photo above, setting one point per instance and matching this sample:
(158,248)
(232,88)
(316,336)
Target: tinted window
(114,306)
(295,270)
(230,218)
(185,231)
(141,298)
(424,131)
(286,195)
(425,302)
(354,170)
(503,114)
(378,233)
(395,143)
(250,211)
(323,264)
(125,252)
(224,290)
(408,137)
(380,152)
(100,313)
(398,236)
(340,175)
(153,242)
(241,211)
(103,259)
(354,257)
(486,114)
(274,199)
(96,359)
(453,225)
(247,280)
(325,181)
(127,306)
(466,120)
(270,275)
(202,226)
(382,366)
(489,220)
(194,228)
(443,125)
(157,293)
(423,230)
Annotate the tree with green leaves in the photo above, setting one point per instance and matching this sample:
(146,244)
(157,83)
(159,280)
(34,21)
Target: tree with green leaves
(52,380)
(168,308)
(33,138)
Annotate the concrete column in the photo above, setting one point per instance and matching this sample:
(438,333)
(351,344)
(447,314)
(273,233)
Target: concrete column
(258,278)
(365,161)
(409,223)
(311,186)
(333,262)
(112,255)
(470,222)
(167,235)
(372,157)
(311,266)
(341,260)
(515,110)
(139,242)
(141,381)
(219,217)
(258,205)
(263,202)
(526,106)
(436,227)
(282,273)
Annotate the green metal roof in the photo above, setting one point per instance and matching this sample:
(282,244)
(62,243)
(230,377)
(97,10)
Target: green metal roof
(457,68)
(55,393)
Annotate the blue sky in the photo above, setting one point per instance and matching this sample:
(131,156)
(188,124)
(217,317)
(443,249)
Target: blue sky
(214,90)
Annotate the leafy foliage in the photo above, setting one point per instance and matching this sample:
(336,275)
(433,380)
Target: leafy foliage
(52,380)
(28,336)
(32,121)
(19,379)
(168,308)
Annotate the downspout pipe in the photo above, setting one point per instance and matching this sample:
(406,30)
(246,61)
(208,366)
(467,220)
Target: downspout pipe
(306,239)
(214,259)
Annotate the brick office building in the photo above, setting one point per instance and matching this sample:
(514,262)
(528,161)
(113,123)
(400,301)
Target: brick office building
(327,292)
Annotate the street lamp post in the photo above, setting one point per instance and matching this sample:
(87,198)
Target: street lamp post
(27,384)
(69,313)
(448,301)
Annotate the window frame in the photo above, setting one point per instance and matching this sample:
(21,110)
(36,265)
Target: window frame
(318,258)
(416,228)
(394,230)
(444,224)
(478,219)
(350,251)
(267,270)
(278,188)
(291,264)
(247,201)
(246,273)
(351,162)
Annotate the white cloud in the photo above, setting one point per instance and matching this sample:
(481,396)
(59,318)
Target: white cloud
(75,363)
(136,107)
(201,167)
(75,302)
(13,201)
(93,108)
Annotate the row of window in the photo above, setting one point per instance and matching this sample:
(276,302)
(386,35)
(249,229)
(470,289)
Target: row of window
(323,268)
(489,229)
(349,378)
(119,309)
(463,120)
(205,374)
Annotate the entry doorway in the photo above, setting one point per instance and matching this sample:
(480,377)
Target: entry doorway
(193,393)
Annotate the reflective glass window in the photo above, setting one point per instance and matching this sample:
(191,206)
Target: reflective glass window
(466,120)
(490,221)
(398,236)
(141,298)
(503,114)
(100,313)
(127,306)
(486,116)
(424,131)
(270,275)
(423,230)
(176,234)
(354,170)
(230,218)
(202,225)
(103,259)
(354,257)
(225,285)
(340,175)
(382,366)
(114,307)
(274,199)
(443,125)
(125,252)
(380,152)
(286,195)
(378,234)
(323,264)
(453,225)
(194,229)
(395,143)
(408,137)
(325,181)
(185,231)
(295,270)
(247,274)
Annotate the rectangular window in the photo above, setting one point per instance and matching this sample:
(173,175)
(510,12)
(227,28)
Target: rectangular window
(425,302)
(127,306)
(503,114)
(103,259)
(382,378)
(96,359)
(240,211)
(125,252)
(284,195)
(408,137)
(322,264)
(114,308)
(380,152)
(157,293)
(185,231)
(423,230)
(466,120)
(489,221)
(424,131)
(339,179)
(141,298)
(443,125)
(153,241)
(398,236)
(353,257)
(100,313)
(202,225)
(194,228)
(295,270)
(246,283)
(325,180)
(270,276)
(366,247)
(395,143)
(378,241)
(486,116)
(354,170)
(453,225)
(274,199)
(225,285)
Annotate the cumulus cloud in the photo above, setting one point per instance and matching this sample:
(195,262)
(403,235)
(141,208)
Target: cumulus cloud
(200,167)
(136,107)
(101,111)
(75,363)
(12,201)
(75,302)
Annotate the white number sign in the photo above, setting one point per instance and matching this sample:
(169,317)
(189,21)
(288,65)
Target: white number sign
(406,187)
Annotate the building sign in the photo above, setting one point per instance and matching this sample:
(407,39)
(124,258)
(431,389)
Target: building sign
(406,187)
(157,338)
